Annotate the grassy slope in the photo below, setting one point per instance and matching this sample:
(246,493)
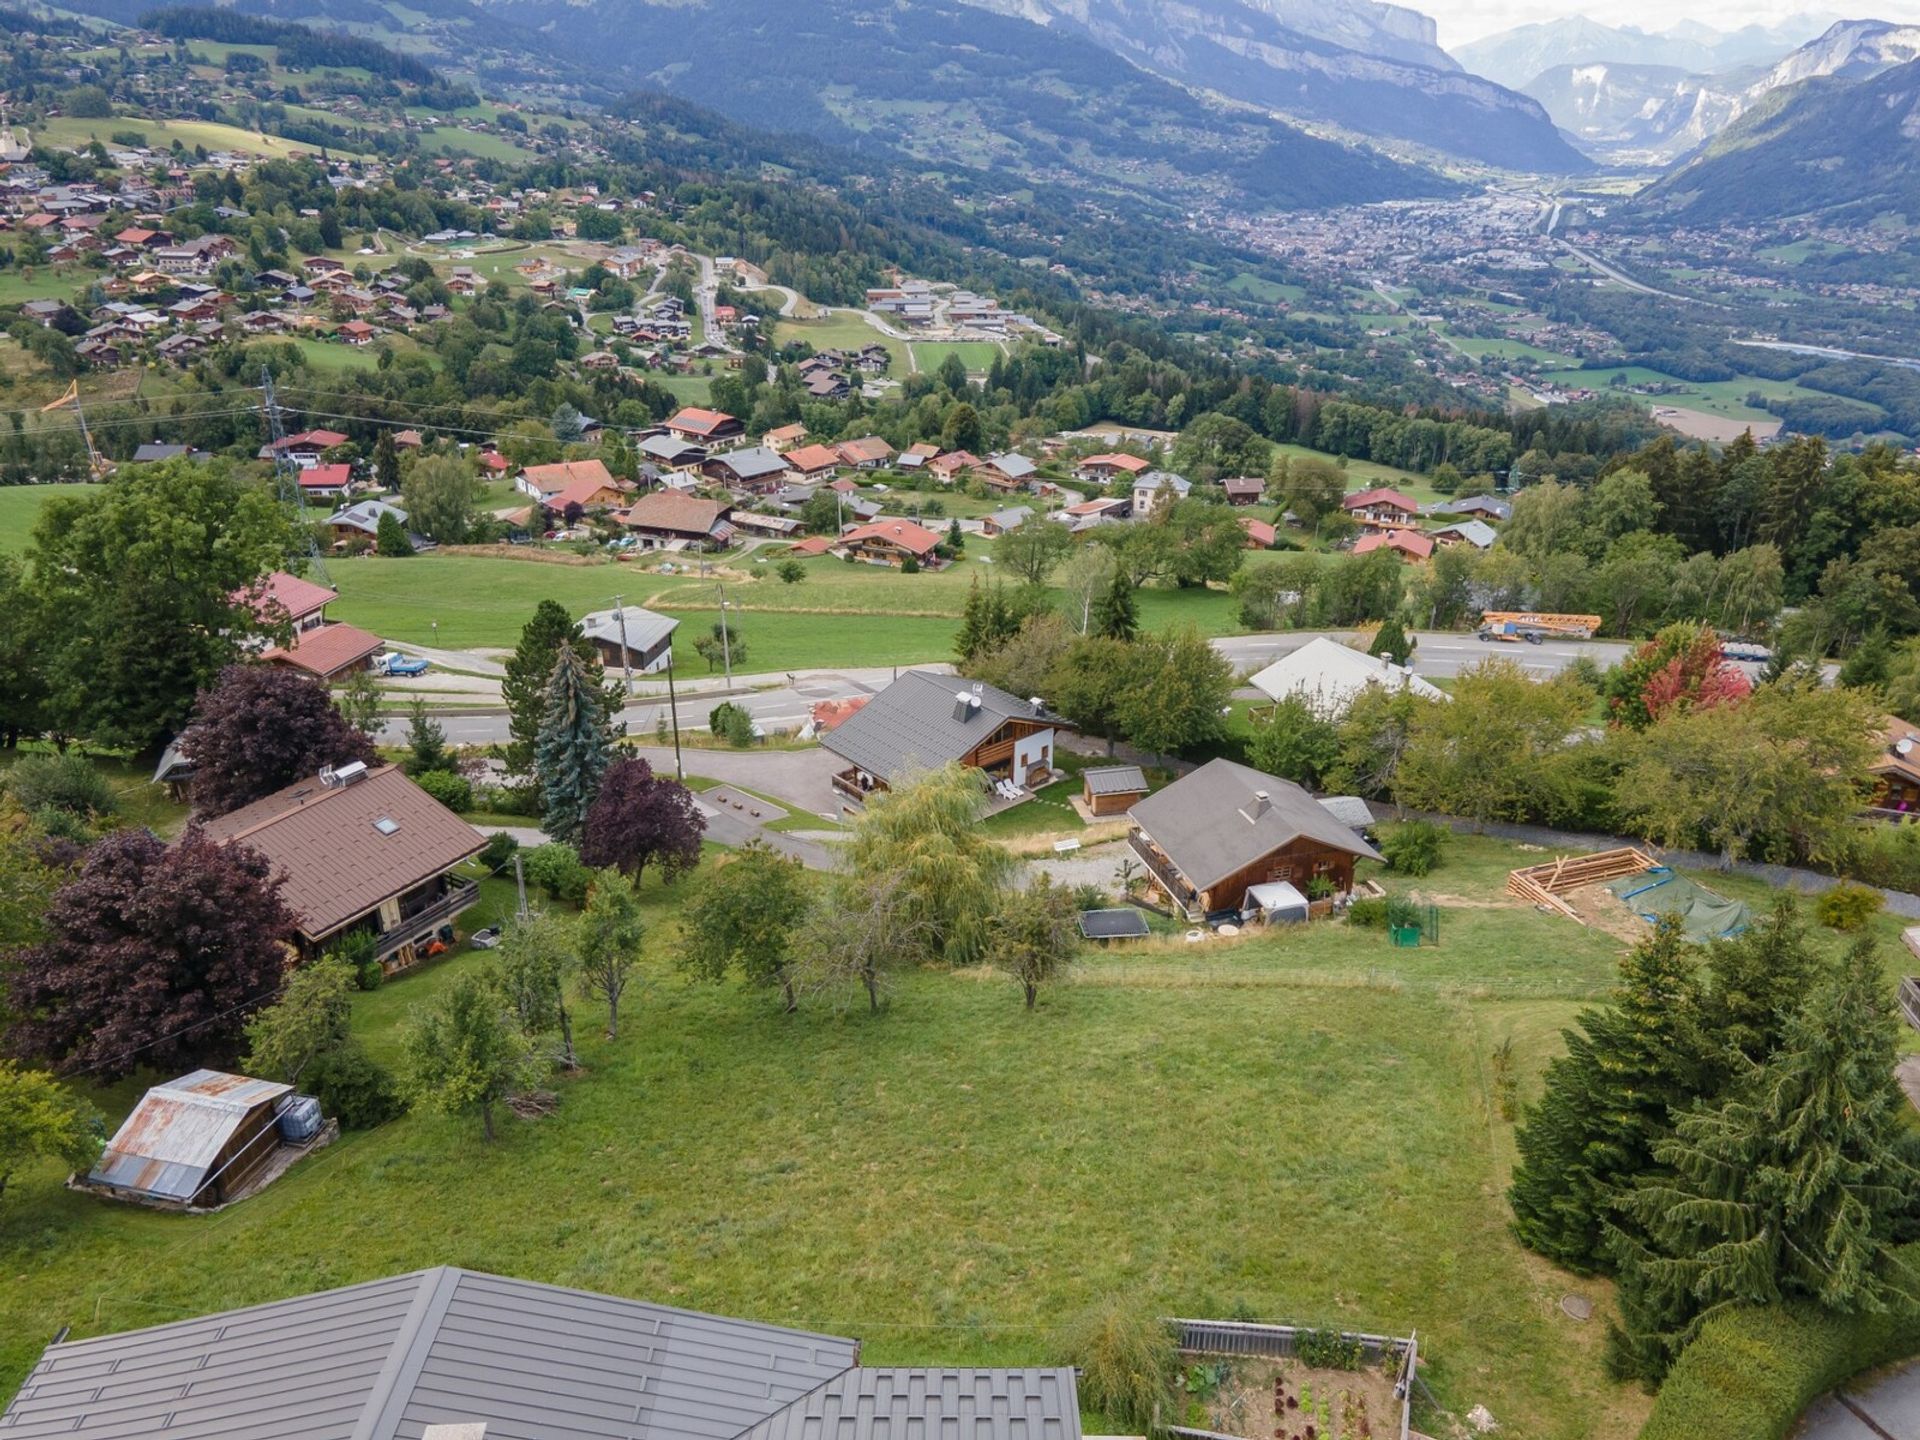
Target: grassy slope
(20,506)
(1298,1124)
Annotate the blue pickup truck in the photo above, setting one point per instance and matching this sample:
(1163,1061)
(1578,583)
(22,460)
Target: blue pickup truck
(394,663)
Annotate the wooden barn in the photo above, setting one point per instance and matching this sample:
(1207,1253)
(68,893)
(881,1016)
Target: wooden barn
(193,1142)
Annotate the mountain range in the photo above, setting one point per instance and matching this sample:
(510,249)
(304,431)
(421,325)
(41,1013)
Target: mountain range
(1516,57)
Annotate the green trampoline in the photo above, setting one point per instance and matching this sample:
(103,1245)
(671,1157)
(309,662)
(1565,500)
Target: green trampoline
(1703,915)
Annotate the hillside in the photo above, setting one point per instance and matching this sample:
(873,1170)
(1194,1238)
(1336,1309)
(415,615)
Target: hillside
(1518,56)
(1829,146)
(1254,52)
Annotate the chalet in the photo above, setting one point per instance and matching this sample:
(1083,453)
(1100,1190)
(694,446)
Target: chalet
(193,1143)
(808,461)
(1006,473)
(867,453)
(758,471)
(670,452)
(327,652)
(1407,544)
(153,453)
(1214,834)
(1244,490)
(192,257)
(1476,533)
(1003,522)
(364,852)
(356,332)
(771,527)
(1085,514)
(1156,487)
(923,721)
(631,638)
(325,482)
(827,385)
(1260,535)
(362,520)
(954,463)
(317,265)
(1380,509)
(178,349)
(891,542)
(704,427)
(669,520)
(784,437)
(1112,789)
(586,483)
(917,457)
(279,598)
(1896,773)
(1105,469)
(306,448)
(1330,676)
(451,1354)
(1478,507)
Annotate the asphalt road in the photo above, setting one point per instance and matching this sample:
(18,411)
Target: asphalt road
(1437,655)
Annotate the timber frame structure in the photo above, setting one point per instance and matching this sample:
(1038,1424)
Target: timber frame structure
(1543,885)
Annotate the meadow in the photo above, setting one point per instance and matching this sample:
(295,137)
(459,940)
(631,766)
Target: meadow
(20,507)
(1298,1126)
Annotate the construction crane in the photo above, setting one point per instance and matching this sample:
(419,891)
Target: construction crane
(286,472)
(97,463)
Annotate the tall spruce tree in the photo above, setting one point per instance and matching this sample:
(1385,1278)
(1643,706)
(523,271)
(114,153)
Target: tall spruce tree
(1785,1189)
(1115,614)
(1608,1100)
(530,671)
(1758,981)
(1392,641)
(574,748)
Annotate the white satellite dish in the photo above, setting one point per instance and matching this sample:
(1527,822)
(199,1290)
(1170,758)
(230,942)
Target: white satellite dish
(1903,746)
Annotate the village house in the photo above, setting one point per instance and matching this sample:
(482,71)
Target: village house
(812,461)
(916,457)
(1478,507)
(1407,544)
(923,721)
(704,427)
(306,448)
(327,652)
(278,598)
(364,851)
(868,453)
(1476,533)
(1105,469)
(586,483)
(670,520)
(1896,773)
(1003,522)
(1244,490)
(631,638)
(1157,488)
(756,471)
(1006,473)
(670,452)
(1215,834)
(954,463)
(1380,509)
(1260,535)
(1329,677)
(325,482)
(361,520)
(784,437)
(891,542)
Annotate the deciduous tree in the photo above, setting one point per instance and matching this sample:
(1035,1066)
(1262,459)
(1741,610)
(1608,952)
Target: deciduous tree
(1497,751)
(1034,550)
(441,496)
(923,838)
(41,1120)
(742,918)
(611,932)
(1034,935)
(1179,695)
(462,1053)
(639,819)
(260,728)
(531,969)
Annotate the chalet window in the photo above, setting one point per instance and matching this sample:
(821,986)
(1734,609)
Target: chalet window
(1322,867)
(1280,872)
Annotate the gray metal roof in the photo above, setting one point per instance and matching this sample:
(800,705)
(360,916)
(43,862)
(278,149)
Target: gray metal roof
(1115,780)
(752,464)
(1210,824)
(645,628)
(1350,810)
(384,1360)
(1474,505)
(870,1404)
(1013,466)
(915,724)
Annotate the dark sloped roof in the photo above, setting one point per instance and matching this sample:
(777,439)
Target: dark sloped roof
(1123,923)
(382,1361)
(911,724)
(1115,780)
(1210,825)
(872,1404)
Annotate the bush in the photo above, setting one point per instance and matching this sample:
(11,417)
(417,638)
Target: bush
(499,850)
(556,869)
(732,723)
(1848,907)
(1369,912)
(1128,1364)
(61,782)
(1750,1372)
(1413,847)
(451,790)
(352,1088)
(359,949)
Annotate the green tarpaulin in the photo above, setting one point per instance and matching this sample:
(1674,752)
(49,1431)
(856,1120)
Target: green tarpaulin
(1703,914)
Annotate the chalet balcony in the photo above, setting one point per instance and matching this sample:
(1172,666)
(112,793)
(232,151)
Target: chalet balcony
(1169,879)
(428,909)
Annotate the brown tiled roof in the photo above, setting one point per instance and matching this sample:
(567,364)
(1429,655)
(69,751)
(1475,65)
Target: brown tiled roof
(696,421)
(671,510)
(326,650)
(904,533)
(867,448)
(278,590)
(338,865)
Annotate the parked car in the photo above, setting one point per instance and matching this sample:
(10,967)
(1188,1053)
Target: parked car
(394,663)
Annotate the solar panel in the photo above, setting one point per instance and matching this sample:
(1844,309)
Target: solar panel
(1121,924)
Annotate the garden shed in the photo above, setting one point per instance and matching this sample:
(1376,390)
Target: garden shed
(1112,789)
(1276,902)
(193,1142)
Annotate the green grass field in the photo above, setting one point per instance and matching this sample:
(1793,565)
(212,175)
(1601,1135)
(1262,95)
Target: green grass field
(463,141)
(1298,1127)
(20,507)
(843,332)
(1727,398)
(1503,349)
(976,355)
(19,284)
(687,389)
(73,130)
(1272,291)
(331,355)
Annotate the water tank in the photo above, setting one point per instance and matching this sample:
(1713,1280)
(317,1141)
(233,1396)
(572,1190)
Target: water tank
(299,1119)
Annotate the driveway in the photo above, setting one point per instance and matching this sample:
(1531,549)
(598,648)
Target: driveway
(1882,1408)
(800,778)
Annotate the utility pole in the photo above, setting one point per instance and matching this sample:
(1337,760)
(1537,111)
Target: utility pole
(626,655)
(673,707)
(286,474)
(520,885)
(726,636)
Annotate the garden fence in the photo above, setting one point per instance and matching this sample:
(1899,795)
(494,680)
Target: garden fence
(1282,1342)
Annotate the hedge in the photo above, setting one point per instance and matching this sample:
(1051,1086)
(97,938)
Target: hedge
(1750,1373)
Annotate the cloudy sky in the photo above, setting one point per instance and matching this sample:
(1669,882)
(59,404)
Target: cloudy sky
(1464,20)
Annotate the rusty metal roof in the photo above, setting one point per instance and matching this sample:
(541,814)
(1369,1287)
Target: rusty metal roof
(170,1143)
(338,860)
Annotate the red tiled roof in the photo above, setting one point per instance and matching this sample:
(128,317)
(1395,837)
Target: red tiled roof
(314,439)
(326,477)
(865,450)
(699,421)
(809,458)
(279,591)
(827,714)
(1407,542)
(326,650)
(904,533)
(1132,464)
(1260,535)
(671,510)
(337,865)
(812,545)
(1380,495)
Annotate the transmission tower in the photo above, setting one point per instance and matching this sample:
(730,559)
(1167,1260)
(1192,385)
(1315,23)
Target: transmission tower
(286,473)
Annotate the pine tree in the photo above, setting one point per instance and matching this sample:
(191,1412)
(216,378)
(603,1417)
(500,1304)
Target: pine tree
(1871,662)
(386,462)
(1115,614)
(1785,1189)
(530,671)
(1759,979)
(574,748)
(1392,642)
(1608,1100)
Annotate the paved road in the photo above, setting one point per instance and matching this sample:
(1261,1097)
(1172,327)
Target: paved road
(1437,655)
(1621,277)
(1887,1408)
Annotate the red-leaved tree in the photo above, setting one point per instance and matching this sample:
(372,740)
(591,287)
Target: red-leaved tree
(260,728)
(154,955)
(640,819)
(1684,667)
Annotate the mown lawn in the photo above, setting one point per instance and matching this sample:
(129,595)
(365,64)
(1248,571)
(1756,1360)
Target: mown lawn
(1298,1125)
(20,507)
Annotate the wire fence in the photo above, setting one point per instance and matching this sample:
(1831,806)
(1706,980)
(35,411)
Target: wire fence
(1251,1339)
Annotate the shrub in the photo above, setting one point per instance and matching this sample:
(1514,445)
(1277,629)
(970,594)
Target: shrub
(359,949)
(1369,912)
(353,1088)
(61,782)
(1751,1371)
(1128,1365)
(1413,847)
(451,790)
(499,850)
(556,869)
(732,723)
(1848,907)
